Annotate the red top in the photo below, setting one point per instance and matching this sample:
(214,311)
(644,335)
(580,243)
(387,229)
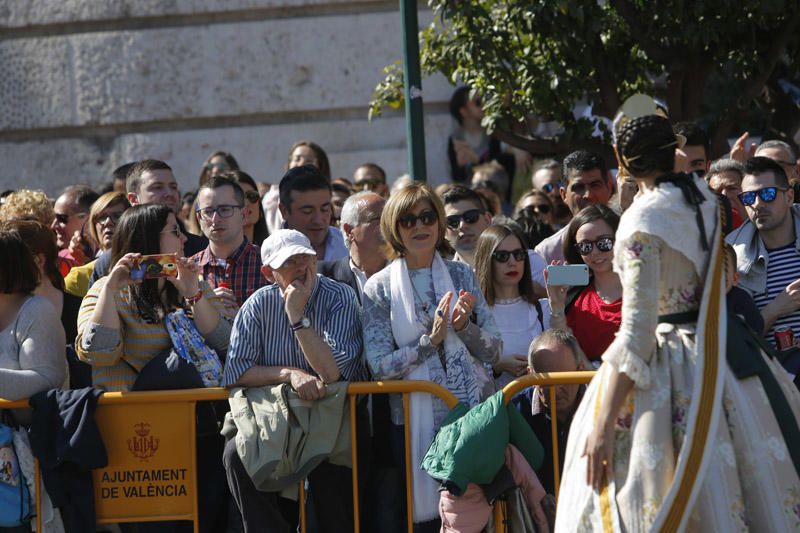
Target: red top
(594,322)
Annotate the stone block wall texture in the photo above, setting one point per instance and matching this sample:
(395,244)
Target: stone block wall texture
(88,86)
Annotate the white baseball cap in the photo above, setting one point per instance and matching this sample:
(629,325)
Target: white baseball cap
(282,245)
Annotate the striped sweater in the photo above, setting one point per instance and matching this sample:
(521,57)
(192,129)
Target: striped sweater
(117,355)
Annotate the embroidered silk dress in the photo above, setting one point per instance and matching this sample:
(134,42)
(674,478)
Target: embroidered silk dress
(696,448)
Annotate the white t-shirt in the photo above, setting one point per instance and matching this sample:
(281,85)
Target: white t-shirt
(518,322)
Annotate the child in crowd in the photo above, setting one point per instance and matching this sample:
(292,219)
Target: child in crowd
(739,300)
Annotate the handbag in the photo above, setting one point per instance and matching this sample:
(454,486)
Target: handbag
(15,499)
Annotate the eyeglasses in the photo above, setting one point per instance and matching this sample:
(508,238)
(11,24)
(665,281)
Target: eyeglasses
(428,218)
(502,256)
(175,231)
(104,218)
(604,244)
(252,196)
(470,217)
(767,194)
(548,187)
(224,211)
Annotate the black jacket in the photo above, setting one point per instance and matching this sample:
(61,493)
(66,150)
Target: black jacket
(340,271)
(67,442)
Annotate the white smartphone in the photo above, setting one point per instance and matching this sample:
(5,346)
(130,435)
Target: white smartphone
(568,275)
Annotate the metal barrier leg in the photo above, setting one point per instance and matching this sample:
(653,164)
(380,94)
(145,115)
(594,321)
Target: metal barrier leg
(554,435)
(37,481)
(353,438)
(409,478)
(301,501)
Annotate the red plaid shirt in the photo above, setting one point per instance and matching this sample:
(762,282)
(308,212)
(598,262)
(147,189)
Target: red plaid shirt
(241,272)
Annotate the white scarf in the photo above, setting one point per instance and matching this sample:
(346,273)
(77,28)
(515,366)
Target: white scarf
(407,330)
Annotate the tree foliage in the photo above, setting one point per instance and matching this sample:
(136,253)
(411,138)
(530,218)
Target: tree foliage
(714,60)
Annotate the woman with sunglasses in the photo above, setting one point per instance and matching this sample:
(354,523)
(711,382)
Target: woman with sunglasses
(255,224)
(103,217)
(687,425)
(503,270)
(535,204)
(594,312)
(425,318)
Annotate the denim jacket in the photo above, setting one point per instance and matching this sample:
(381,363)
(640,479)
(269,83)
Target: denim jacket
(751,254)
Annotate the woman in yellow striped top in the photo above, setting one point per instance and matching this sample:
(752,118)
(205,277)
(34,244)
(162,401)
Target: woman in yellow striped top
(121,325)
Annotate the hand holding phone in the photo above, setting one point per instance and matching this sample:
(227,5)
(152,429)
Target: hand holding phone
(156,266)
(571,275)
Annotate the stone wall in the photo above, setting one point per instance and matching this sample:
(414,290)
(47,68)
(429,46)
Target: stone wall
(88,86)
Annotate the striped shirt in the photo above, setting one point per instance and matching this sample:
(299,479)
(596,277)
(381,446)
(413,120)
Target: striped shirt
(117,355)
(783,267)
(262,334)
(241,271)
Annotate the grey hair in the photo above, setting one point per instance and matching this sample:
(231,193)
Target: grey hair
(725,165)
(775,143)
(554,336)
(350,210)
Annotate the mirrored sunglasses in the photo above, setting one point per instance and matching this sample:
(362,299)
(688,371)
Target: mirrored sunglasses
(606,244)
(767,194)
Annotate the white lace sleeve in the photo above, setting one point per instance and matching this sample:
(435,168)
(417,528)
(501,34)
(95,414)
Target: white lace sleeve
(638,262)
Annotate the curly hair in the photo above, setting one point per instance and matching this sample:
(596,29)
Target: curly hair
(647,144)
(26,204)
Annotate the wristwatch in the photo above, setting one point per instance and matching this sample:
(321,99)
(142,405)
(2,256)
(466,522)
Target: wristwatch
(304,323)
(425,340)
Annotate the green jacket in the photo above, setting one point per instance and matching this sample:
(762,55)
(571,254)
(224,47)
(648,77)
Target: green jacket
(470,446)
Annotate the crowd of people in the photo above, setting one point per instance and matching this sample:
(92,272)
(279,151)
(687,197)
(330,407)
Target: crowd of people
(290,289)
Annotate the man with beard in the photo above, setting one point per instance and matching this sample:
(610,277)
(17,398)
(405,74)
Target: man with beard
(586,183)
(768,249)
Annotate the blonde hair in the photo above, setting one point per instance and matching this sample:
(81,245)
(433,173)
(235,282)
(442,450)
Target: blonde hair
(106,200)
(400,203)
(26,204)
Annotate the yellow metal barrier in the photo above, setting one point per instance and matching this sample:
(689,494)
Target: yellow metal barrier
(405,388)
(547,379)
(152,463)
(150,439)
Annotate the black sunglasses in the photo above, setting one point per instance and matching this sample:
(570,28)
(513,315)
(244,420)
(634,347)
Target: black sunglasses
(604,244)
(252,196)
(63,218)
(502,256)
(533,210)
(428,218)
(470,217)
(767,194)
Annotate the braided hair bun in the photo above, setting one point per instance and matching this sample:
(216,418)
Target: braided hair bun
(647,144)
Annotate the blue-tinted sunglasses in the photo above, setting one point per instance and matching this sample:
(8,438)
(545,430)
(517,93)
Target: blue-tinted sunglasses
(767,194)
(548,187)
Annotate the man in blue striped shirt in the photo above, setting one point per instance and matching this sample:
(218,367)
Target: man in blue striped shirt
(768,247)
(303,330)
